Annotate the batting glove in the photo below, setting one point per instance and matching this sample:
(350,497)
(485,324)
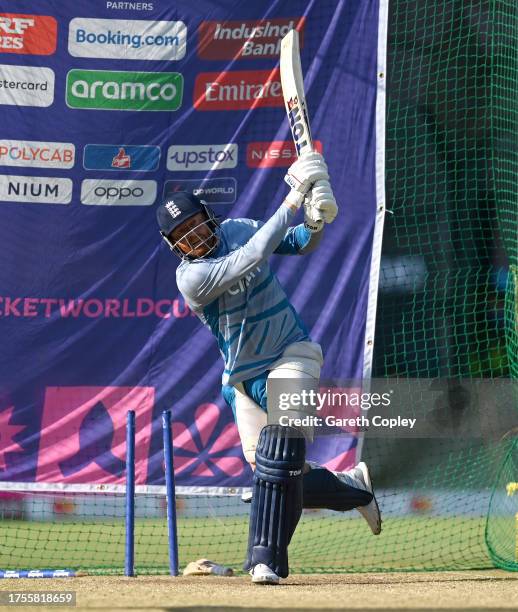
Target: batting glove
(308,169)
(310,224)
(320,206)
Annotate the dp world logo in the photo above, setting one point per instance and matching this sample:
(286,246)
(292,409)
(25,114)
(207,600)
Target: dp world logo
(213,191)
(124,90)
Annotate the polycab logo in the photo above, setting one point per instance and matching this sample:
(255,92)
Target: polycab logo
(237,90)
(127,39)
(278,153)
(219,40)
(25,86)
(97,192)
(27,34)
(37,154)
(141,158)
(35,189)
(124,90)
(212,191)
(202,157)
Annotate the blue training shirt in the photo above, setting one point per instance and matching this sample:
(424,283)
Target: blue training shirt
(237,296)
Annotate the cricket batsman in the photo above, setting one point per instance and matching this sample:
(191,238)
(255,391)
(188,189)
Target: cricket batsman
(225,278)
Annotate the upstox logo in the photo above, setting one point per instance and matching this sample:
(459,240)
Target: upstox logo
(202,157)
(124,90)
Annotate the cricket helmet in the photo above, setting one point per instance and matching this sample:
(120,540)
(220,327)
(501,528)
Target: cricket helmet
(175,210)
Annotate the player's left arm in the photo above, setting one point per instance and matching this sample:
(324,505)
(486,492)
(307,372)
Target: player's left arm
(319,208)
(299,240)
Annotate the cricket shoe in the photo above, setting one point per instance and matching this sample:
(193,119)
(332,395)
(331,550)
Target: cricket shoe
(262,574)
(359,478)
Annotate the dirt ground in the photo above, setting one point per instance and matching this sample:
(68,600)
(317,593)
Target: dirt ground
(470,590)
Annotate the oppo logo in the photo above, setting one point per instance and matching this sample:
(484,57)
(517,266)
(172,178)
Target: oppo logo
(98,192)
(118,193)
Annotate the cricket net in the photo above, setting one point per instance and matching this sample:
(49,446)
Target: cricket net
(447,308)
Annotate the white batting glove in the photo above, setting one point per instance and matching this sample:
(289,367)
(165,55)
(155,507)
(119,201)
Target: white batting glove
(313,226)
(308,169)
(320,206)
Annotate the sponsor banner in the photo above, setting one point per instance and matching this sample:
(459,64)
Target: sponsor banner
(97,274)
(124,90)
(26,86)
(70,417)
(35,189)
(237,90)
(212,190)
(202,157)
(37,154)
(142,158)
(127,39)
(92,308)
(219,40)
(99,192)
(277,153)
(27,34)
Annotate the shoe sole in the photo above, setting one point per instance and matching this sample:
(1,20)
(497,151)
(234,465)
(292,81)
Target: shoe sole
(363,509)
(264,580)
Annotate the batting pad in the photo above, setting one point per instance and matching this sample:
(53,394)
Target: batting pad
(277,497)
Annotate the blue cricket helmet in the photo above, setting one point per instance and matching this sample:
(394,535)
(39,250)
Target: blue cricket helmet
(175,210)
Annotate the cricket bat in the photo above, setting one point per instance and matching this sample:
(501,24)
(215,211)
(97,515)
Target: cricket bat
(292,83)
(293,93)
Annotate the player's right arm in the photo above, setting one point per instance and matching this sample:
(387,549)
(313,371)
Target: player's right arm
(202,281)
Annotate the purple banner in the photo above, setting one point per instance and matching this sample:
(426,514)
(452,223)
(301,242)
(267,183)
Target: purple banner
(102,114)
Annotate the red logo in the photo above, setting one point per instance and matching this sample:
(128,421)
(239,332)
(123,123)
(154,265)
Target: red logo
(219,40)
(27,34)
(278,153)
(121,160)
(237,90)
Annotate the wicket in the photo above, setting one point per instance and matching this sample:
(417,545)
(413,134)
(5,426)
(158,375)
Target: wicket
(129,557)
(129,561)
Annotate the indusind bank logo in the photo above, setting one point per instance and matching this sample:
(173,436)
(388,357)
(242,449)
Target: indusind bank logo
(124,90)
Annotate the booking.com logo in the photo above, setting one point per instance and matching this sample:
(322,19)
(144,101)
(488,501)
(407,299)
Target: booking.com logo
(127,39)
(118,38)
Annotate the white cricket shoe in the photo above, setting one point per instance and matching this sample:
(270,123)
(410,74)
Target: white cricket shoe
(359,478)
(262,574)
